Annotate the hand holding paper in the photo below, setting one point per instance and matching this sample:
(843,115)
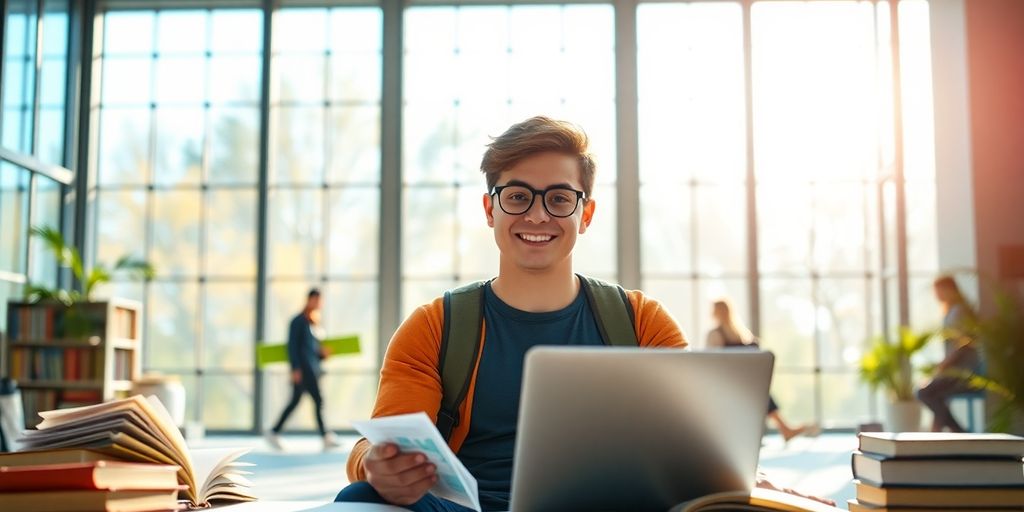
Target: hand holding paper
(416,433)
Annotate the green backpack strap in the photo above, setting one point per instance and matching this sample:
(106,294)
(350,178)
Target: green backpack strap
(614,313)
(460,346)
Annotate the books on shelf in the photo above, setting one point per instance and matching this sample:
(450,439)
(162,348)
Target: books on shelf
(138,429)
(915,472)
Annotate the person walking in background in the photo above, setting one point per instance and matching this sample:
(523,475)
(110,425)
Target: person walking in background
(304,355)
(730,333)
(960,356)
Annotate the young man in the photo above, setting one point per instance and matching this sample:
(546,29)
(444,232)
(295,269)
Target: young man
(539,181)
(304,355)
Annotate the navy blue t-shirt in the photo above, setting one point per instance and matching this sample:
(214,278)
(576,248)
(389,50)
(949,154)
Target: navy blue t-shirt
(489,446)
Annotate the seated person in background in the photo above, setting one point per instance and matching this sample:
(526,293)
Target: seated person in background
(961,356)
(539,177)
(731,333)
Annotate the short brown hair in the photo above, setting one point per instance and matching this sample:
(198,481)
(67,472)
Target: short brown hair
(538,135)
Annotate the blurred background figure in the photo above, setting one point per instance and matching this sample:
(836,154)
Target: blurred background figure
(730,333)
(305,354)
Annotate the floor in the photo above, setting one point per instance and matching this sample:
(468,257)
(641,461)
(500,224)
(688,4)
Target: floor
(819,466)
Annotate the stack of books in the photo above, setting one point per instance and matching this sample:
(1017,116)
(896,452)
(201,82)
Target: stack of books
(82,480)
(104,446)
(923,471)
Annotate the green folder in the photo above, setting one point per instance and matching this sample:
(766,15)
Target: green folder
(278,352)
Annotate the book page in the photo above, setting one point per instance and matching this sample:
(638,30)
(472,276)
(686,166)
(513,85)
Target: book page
(416,433)
(215,465)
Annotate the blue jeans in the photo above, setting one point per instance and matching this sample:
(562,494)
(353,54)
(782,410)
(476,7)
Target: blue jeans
(362,492)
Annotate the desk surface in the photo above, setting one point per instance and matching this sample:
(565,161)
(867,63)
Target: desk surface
(306,506)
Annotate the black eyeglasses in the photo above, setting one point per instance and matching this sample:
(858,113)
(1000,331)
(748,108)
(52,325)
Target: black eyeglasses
(558,200)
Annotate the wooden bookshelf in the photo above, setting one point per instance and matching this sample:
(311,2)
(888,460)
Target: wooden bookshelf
(62,358)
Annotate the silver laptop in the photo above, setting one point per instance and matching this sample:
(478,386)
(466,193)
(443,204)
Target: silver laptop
(636,429)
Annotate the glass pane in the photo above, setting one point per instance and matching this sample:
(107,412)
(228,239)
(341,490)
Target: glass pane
(482,77)
(128,32)
(666,235)
(133,290)
(355,77)
(180,80)
(298,145)
(350,307)
(53,82)
(355,231)
(300,30)
(477,251)
(815,105)
(178,156)
(430,29)
(231,233)
(46,204)
(839,239)
(126,81)
(296,232)
(356,29)
(482,30)
(922,227)
(234,79)
(299,78)
(51,135)
(595,250)
(172,320)
(787,321)
(710,290)
(794,393)
(428,238)
(429,77)
(842,321)
(176,219)
(428,147)
(917,98)
(418,292)
(847,400)
(14,201)
(476,121)
(234,145)
(721,229)
(236,30)
(228,401)
(277,391)
(348,397)
(229,323)
(285,299)
(784,228)
(355,144)
(588,28)
(676,296)
(925,312)
(181,32)
(536,29)
(124,146)
(691,128)
(55,28)
(120,226)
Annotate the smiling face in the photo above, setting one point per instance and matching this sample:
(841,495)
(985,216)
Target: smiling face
(536,241)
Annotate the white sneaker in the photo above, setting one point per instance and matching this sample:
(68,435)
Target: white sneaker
(331,441)
(273,440)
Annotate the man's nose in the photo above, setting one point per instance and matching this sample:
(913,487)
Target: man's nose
(537,214)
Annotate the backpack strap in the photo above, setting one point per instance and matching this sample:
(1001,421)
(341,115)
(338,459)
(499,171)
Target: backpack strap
(460,347)
(614,313)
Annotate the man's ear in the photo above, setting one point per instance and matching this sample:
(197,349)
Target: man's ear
(588,215)
(489,210)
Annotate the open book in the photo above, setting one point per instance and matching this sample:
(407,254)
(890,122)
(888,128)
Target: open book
(757,500)
(141,430)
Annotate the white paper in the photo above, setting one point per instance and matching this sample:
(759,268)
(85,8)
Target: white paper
(416,433)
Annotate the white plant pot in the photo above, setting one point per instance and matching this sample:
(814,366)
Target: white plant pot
(903,416)
(169,390)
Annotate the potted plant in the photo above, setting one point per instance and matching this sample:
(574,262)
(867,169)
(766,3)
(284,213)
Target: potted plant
(887,365)
(1000,338)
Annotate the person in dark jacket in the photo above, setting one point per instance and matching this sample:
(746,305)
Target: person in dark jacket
(304,355)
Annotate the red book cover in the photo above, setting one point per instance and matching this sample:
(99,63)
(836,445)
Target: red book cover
(87,475)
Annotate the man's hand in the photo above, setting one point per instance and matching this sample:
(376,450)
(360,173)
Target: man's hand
(296,376)
(764,483)
(399,478)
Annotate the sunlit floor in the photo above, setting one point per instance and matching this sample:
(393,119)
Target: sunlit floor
(819,466)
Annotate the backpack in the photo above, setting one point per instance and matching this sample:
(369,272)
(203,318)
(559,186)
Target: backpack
(463,323)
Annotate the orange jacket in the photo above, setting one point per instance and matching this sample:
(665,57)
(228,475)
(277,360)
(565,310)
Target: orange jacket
(410,381)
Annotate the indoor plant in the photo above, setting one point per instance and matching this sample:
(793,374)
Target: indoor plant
(888,365)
